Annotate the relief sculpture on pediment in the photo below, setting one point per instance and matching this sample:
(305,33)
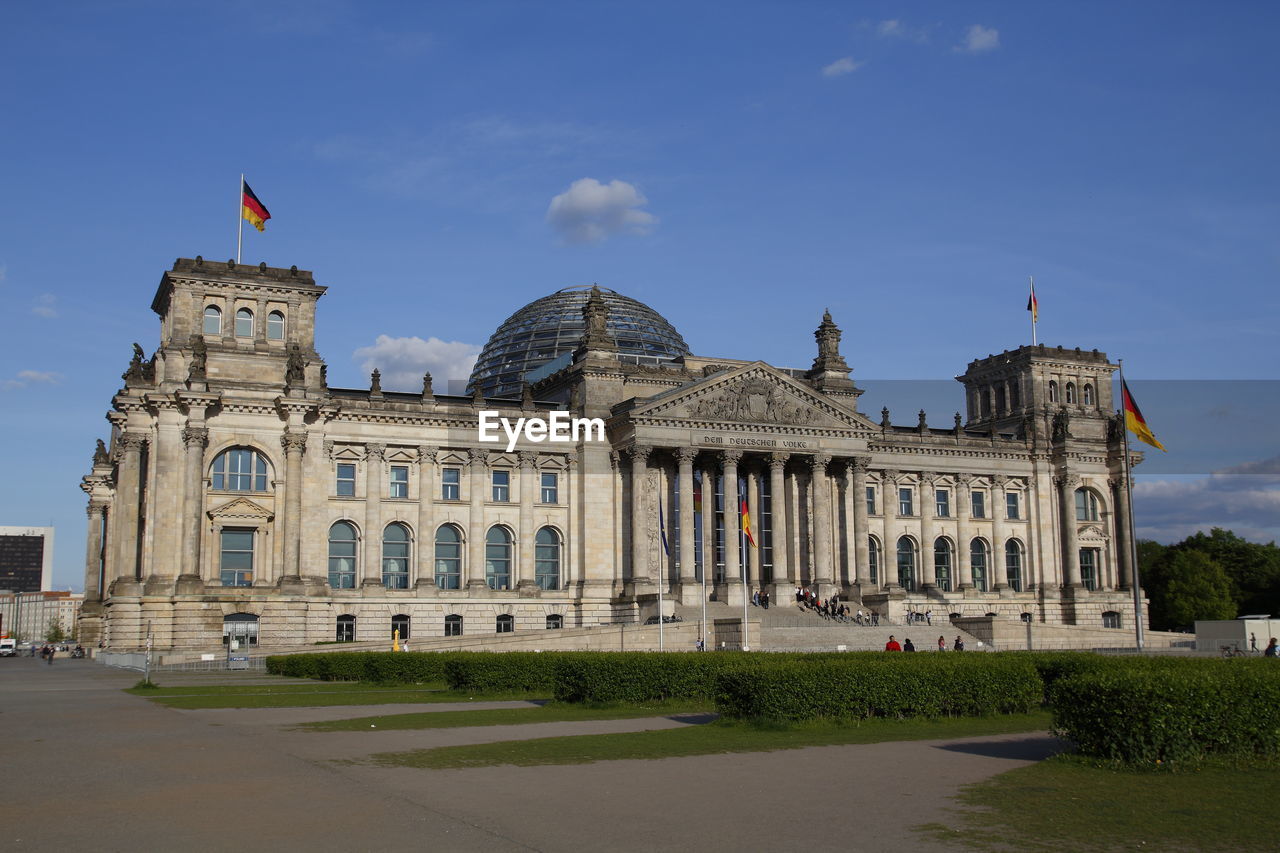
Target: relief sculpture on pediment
(753,400)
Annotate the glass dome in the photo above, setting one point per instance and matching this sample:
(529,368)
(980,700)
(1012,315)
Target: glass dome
(549,330)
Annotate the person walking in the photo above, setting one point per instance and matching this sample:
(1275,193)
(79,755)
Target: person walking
(1253,642)
(892,645)
(942,643)
(49,658)
(1271,649)
(907,645)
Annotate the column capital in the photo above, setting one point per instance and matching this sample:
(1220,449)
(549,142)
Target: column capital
(778,461)
(859,464)
(819,461)
(615,460)
(686,455)
(927,478)
(964,480)
(294,441)
(527,459)
(131,442)
(730,457)
(640,453)
(428,453)
(999,481)
(375,451)
(1068,481)
(477,456)
(889,476)
(195,437)
(95,508)
(1118,482)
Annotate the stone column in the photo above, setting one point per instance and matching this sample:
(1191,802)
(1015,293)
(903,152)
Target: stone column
(371,563)
(709,522)
(688,572)
(196,439)
(639,539)
(928,507)
(426,517)
(1067,484)
(1120,531)
(860,554)
(784,581)
(889,543)
(124,525)
(820,495)
(477,466)
(295,445)
(754,578)
(93,552)
(999,506)
(964,534)
(527,538)
(732,527)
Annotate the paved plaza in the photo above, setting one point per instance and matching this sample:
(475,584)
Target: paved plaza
(89,767)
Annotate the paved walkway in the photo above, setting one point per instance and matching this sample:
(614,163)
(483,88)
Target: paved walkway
(89,767)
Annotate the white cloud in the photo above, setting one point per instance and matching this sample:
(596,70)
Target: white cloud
(590,211)
(979,39)
(46,306)
(1244,498)
(895,29)
(404,360)
(845,65)
(28,377)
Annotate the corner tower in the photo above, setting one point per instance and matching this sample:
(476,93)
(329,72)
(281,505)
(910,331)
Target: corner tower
(1020,389)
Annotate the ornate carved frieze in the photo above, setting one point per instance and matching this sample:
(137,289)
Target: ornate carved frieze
(375,451)
(428,453)
(477,456)
(753,400)
(527,458)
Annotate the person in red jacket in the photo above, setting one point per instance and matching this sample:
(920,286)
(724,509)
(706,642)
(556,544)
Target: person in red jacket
(892,645)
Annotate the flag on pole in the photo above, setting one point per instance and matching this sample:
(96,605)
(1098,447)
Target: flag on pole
(662,526)
(1134,420)
(746,523)
(1033,305)
(697,496)
(253,210)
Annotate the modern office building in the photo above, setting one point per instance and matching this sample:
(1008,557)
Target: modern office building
(239,495)
(26,559)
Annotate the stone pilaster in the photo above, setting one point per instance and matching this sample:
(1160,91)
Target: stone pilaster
(784,582)
(294,443)
(732,527)
(690,591)
(860,554)
(1120,531)
(964,532)
(999,506)
(709,522)
(927,509)
(124,528)
(195,439)
(525,583)
(427,494)
(97,512)
(477,467)
(371,562)
(1067,484)
(820,495)
(639,538)
(888,542)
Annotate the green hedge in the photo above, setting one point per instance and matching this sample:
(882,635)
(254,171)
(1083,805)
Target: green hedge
(643,676)
(1179,711)
(878,685)
(490,672)
(382,667)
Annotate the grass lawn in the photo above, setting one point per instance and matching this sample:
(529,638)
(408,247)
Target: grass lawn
(718,737)
(552,712)
(310,695)
(1073,803)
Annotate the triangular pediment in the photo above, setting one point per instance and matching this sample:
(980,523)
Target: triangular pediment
(756,394)
(241,509)
(1091,533)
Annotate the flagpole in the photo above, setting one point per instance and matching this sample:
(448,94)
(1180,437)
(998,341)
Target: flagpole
(662,529)
(1133,541)
(240,219)
(746,564)
(1035,310)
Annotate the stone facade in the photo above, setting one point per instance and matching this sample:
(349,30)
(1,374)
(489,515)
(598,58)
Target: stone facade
(239,493)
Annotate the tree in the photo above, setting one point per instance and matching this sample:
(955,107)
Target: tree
(1189,585)
(55,633)
(1253,568)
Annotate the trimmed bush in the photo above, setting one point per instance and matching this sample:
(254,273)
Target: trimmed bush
(877,685)
(1183,710)
(643,676)
(490,672)
(382,667)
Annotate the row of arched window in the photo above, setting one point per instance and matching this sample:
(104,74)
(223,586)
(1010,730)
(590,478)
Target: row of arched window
(243,323)
(401,626)
(1069,393)
(397,544)
(944,563)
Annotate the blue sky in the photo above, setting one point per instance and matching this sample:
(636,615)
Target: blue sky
(739,166)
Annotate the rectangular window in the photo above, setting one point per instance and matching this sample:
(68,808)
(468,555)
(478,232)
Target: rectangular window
(1089,560)
(905,504)
(450,480)
(550,488)
(1011,504)
(942,502)
(346,483)
(502,486)
(399,481)
(871,500)
(236,558)
(979,500)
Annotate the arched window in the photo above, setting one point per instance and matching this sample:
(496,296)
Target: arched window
(497,558)
(213,320)
(275,326)
(244,323)
(453,625)
(346,629)
(1053,391)
(554,621)
(942,563)
(342,555)
(1013,564)
(907,564)
(873,560)
(449,558)
(547,559)
(1015,395)
(1071,393)
(506,623)
(978,562)
(400,626)
(1002,404)
(240,469)
(240,627)
(1088,394)
(395,556)
(1025,617)
(1086,505)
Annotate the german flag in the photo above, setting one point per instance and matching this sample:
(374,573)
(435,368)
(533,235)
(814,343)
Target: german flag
(746,523)
(253,210)
(1033,304)
(1134,420)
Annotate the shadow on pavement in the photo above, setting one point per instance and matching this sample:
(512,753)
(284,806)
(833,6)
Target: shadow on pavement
(695,719)
(1032,748)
